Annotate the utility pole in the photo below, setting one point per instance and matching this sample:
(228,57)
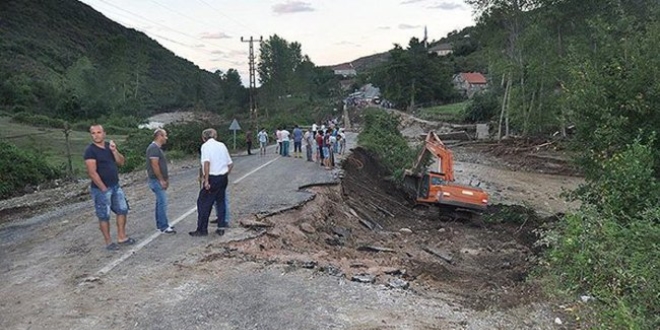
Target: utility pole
(254,118)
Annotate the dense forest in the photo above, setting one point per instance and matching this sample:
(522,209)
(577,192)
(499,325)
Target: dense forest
(591,64)
(63,59)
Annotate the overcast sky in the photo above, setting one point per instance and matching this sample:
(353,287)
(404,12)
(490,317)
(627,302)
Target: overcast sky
(208,32)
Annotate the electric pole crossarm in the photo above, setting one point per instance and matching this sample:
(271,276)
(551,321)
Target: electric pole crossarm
(253,82)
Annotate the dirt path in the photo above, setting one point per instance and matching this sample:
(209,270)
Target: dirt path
(295,272)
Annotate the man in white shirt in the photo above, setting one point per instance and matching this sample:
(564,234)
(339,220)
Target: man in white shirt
(263,141)
(216,166)
(284,135)
(278,137)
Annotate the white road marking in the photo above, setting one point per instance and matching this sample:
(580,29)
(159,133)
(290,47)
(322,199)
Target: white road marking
(139,246)
(149,239)
(252,172)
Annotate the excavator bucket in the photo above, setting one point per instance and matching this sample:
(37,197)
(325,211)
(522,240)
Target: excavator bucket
(437,186)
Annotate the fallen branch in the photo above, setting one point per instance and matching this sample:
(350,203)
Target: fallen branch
(371,248)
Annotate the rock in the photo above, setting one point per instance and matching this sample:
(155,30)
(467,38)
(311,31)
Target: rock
(332,270)
(334,241)
(308,264)
(398,283)
(586,298)
(473,252)
(442,230)
(342,232)
(307,228)
(393,271)
(363,278)
(406,230)
(254,224)
(558,321)
(446,256)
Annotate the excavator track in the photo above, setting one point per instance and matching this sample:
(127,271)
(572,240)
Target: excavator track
(446,213)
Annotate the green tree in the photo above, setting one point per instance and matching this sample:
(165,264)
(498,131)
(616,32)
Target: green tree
(278,62)
(413,76)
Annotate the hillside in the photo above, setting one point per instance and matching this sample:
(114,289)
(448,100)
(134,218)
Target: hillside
(464,48)
(64,46)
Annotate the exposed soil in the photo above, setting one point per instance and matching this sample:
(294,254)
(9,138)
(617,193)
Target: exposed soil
(364,229)
(486,264)
(538,155)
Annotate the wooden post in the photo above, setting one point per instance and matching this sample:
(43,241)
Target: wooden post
(67,132)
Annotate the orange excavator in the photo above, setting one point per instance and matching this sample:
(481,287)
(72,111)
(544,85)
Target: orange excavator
(437,187)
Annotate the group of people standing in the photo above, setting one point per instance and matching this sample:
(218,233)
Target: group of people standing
(102,159)
(321,143)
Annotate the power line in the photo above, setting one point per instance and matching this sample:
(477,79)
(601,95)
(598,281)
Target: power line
(171,29)
(195,20)
(228,17)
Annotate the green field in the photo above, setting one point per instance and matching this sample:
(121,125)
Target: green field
(447,112)
(49,142)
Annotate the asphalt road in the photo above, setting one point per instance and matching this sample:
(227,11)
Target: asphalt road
(57,275)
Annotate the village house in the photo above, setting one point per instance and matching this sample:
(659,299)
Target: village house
(470,83)
(442,49)
(345,70)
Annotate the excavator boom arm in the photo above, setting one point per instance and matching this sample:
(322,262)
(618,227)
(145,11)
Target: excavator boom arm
(445,158)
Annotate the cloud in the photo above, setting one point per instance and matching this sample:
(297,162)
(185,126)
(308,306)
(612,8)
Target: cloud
(347,43)
(215,35)
(407,2)
(446,5)
(199,46)
(291,7)
(217,52)
(408,26)
(237,53)
(384,28)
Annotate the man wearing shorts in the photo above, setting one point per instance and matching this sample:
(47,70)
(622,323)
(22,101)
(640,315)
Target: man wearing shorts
(101,160)
(263,141)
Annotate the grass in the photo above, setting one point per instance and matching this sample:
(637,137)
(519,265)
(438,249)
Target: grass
(447,112)
(50,142)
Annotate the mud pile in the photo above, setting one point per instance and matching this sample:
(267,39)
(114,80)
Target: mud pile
(366,230)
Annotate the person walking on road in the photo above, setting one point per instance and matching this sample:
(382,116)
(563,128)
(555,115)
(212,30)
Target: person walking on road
(284,135)
(248,142)
(278,138)
(216,166)
(101,161)
(263,141)
(158,179)
(297,142)
(310,142)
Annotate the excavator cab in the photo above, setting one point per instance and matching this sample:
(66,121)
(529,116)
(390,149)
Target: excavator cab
(438,187)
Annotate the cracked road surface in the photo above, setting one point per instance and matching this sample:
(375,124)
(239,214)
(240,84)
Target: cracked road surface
(57,275)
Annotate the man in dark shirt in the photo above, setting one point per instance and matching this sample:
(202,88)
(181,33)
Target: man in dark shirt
(101,160)
(159,179)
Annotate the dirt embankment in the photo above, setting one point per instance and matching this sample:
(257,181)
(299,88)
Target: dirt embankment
(365,230)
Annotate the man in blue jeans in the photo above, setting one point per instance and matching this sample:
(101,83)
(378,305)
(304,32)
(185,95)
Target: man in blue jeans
(101,160)
(158,179)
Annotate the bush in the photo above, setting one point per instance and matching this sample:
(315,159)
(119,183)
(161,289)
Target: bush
(37,120)
(134,149)
(381,136)
(19,167)
(484,107)
(609,249)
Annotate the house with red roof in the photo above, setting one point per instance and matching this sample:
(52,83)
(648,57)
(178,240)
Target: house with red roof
(470,83)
